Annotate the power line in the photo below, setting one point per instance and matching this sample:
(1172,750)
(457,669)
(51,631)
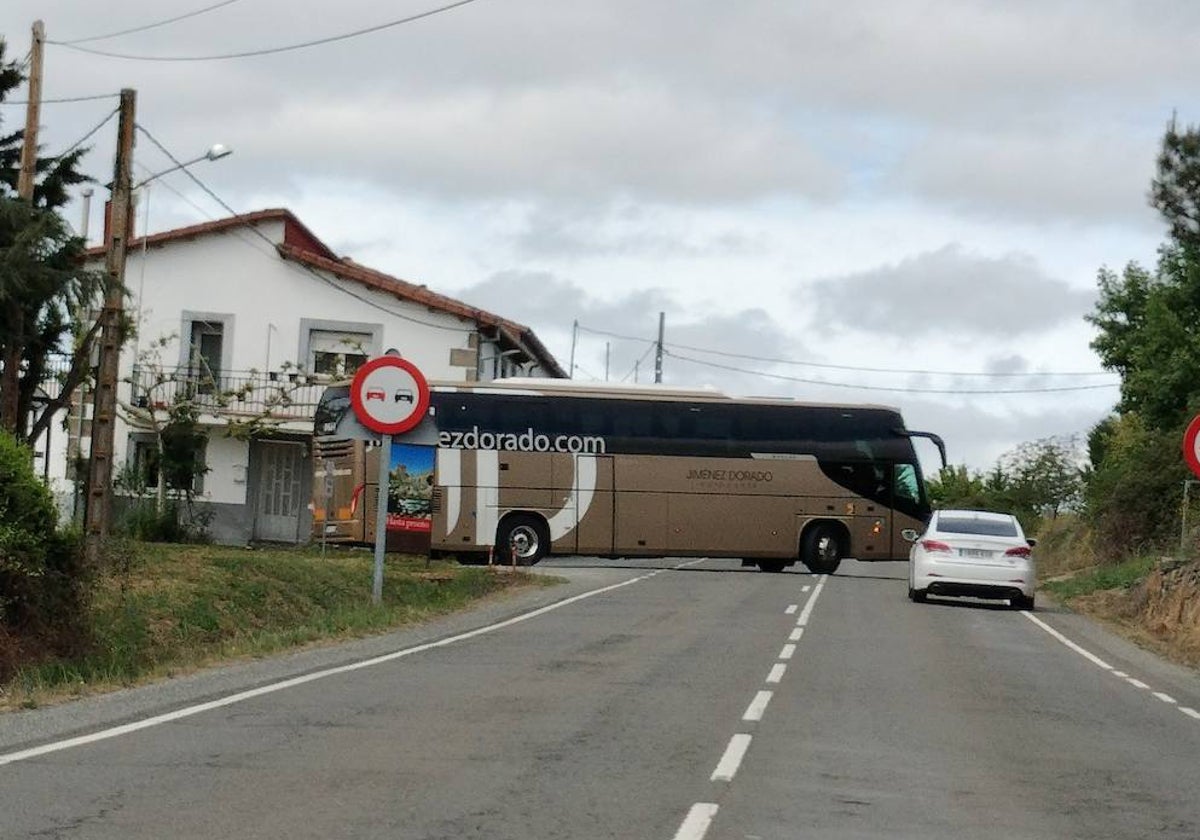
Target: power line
(649,350)
(269,50)
(308,270)
(954,391)
(852,368)
(60,100)
(88,136)
(144,27)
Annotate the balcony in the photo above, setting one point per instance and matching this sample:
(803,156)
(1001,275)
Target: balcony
(284,396)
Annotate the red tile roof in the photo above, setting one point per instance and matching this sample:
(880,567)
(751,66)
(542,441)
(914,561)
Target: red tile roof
(301,246)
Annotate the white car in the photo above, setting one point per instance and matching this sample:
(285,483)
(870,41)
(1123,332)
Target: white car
(972,553)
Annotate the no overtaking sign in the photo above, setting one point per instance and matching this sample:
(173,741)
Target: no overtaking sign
(389,395)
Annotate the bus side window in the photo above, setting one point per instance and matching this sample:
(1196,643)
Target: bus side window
(906,486)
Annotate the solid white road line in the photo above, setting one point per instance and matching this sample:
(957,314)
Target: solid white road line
(728,766)
(229,700)
(796,633)
(1095,660)
(788,651)
(791,610)
(757,706)
(777,671)
(1088,655)
(695,824)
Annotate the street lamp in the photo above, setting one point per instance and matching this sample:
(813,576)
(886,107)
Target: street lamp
(215,152)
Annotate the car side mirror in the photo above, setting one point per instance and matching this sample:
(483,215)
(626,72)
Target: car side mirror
(909,534)
(1032,542)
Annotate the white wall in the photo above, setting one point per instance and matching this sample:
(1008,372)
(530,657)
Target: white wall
(236,273)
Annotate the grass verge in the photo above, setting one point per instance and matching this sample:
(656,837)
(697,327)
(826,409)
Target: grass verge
(1117,576)
(175,608)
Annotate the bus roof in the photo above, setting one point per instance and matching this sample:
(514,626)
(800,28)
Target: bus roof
(536,386)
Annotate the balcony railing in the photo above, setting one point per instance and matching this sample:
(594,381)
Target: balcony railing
(241,395)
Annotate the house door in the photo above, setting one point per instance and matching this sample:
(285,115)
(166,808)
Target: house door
(280,495)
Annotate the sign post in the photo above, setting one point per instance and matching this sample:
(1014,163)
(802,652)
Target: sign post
(390,396)
(1191,454)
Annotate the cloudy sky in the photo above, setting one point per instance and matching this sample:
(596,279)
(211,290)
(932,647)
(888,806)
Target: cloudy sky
(892,202)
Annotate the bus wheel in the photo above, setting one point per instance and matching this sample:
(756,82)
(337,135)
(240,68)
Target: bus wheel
(822,550)
(773,566)
(522,537)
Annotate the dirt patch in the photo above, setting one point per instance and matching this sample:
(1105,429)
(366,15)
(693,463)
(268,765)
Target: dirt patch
(1162,612)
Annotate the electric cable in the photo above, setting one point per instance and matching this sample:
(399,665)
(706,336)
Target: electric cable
(894,390)
(144,27)
(88,136)
(852,368)
(269,50)
(307,270)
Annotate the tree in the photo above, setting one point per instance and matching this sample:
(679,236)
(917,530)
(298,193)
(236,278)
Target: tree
(1044,477)
(44,289)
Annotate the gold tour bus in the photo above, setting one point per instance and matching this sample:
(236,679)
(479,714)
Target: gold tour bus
(522,468)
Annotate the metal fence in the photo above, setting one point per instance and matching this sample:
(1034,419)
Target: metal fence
(282,395)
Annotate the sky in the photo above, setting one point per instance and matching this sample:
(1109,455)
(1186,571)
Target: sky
(901,203)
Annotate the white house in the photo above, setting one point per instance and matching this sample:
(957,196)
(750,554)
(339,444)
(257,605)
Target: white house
(256,303)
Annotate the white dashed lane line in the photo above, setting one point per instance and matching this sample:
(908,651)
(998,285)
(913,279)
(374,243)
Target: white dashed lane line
(698,820)
(695,824)
(754,712)
(1100,663)
(728,766)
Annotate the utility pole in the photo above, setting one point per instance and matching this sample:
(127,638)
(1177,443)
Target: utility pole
(574,338)
(607,350)
(100,461)
(658,350)
(33,115)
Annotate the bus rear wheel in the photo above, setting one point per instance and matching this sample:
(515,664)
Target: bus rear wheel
(822,550)
(522,539)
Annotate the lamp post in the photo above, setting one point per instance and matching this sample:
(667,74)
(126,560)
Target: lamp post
(98,514)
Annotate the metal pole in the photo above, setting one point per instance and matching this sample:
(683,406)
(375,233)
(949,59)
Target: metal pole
(385,463)
(607,350)
(1187,483)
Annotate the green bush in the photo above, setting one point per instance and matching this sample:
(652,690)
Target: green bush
(43,585)
(1133,495)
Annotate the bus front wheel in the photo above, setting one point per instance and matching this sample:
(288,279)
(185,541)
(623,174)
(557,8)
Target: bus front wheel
(522,539)
(822,550)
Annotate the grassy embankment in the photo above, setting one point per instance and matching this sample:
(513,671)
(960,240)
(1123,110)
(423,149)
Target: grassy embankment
(1151,599)
(174,608)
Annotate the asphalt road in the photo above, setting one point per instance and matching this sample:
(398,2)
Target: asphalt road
(643,700)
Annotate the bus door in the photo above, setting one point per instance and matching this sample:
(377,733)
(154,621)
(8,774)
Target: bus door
(583,520)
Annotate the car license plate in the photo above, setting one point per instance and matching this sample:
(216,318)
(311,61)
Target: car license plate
(974,552)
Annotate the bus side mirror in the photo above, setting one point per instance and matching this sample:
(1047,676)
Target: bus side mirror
(909,534)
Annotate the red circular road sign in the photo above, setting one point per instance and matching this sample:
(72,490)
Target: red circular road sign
(389,395)
(1191,440)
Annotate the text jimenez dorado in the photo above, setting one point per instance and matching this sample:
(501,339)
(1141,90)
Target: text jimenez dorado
(527,441)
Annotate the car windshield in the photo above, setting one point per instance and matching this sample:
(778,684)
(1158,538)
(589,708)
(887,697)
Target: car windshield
(974,525)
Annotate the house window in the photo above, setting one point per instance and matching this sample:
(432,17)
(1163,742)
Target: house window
(337,355)
(182,457)
(204,354)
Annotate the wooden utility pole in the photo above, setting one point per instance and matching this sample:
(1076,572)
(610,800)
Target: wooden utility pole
(33,115)
(104,412)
